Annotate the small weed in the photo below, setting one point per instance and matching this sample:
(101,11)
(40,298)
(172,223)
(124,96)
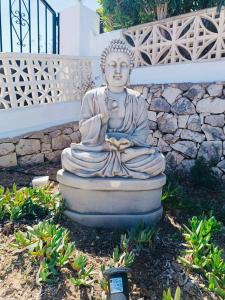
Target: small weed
(83,274)
(29,203)
(168,296)
(202,255)
(49,247)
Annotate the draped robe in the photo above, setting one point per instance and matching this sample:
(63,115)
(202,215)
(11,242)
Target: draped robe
(91,159)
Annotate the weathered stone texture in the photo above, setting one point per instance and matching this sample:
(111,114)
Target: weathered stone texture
(6,148)
(183,106)
(215,120)
(213,133)
(60,142)
(167,123)
(8,160)
(209,105)
(29,160)
(171,94)
(192,136)
(28,146)
(194,123)
(159,104)
(187,148)
(211,150)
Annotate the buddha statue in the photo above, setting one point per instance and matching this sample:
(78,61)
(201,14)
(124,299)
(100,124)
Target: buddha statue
(114,126)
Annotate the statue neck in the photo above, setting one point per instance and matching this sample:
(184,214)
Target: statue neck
(116,89)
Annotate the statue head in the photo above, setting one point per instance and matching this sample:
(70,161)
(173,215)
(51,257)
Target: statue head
(117,61)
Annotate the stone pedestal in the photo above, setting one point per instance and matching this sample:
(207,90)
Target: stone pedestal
(111,202)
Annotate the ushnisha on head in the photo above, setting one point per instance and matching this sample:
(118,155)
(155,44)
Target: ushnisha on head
(116,45)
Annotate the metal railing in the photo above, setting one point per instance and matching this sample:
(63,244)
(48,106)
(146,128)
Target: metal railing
(28,26)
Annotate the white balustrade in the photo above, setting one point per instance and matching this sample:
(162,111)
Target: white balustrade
(193,37)
(31,79)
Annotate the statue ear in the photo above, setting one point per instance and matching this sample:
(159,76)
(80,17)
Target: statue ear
(104,82)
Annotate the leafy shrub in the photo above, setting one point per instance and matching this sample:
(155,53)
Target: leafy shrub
(49,246)
(168,296)
(29,203)
(202,255)
(202,175)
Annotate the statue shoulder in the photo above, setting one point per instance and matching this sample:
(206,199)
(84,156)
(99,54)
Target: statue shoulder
(95,91)
(133,93)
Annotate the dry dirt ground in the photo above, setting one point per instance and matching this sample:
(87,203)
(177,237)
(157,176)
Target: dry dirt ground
(155,269)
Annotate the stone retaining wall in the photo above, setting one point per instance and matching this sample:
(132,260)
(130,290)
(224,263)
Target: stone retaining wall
(186,121)
(37,147)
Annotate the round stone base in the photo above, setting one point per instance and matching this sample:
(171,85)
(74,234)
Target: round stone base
(111,202)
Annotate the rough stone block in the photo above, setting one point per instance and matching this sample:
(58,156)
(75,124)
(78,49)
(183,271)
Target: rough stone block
(29,160)
(215,90)
(182,121)
(159,105)
(211,150)
(213,106)
(187,148)
(28,146)
(60,142)
(167,123)
(8,160)
(194,123)
(183,106)
(213,133)
(171,94)
(215,120)
(53,156)
(6,148)
(192,136)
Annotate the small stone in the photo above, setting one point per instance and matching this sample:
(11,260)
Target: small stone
(145,92)
(167,123)
(215,90)
(215,120)
(6,148)
(45,147)
(184,86)
(183,106)
(217,171)
(37,135)
(187,148)
(8,160)
(159,105)
(60,142)
(173,159)
(194,123)
(221,165)
(152,141)
(152,116)
(157,134)
(211,150)
(46,139)
(163,146)
(29,160)
(75,137)
(68,131)
(55,133)
(170,138)
(196,92)
(28,146)
(171,94)
(152,125)
(213,106)
(192,136)
(53,156)
(213,133)
(182,121)
(76,126)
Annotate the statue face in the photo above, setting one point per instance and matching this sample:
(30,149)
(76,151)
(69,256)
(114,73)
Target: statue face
(117,69)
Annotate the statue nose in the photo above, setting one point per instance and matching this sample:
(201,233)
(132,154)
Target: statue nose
(118,70)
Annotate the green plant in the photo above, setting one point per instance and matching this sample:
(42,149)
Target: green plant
(202,175)
(29,203)
(83,274)
(49,246)
(168,296)
(202,255)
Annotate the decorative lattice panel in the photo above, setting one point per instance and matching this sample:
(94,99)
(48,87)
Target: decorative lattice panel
(27,79)
(192,37)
